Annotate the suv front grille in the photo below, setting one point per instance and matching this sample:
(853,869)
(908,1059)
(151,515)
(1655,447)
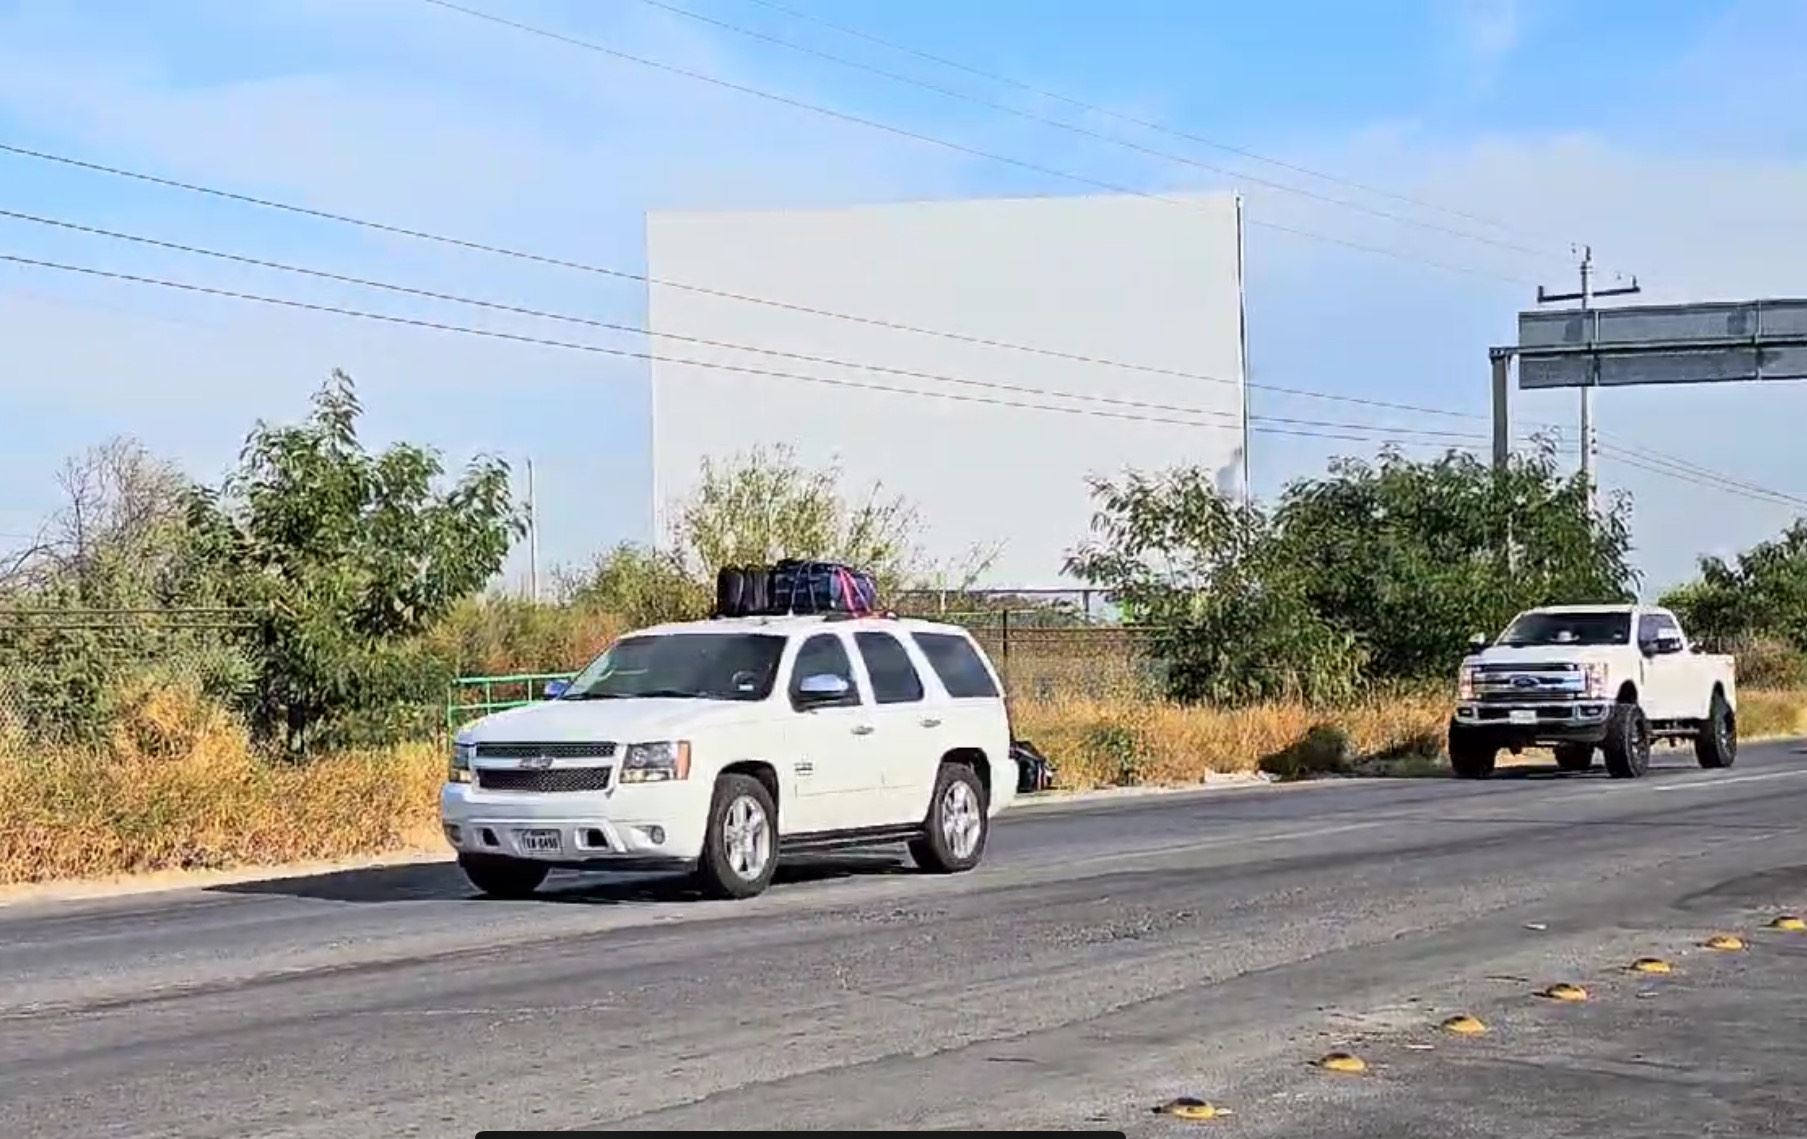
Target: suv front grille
(548,780)
(568,749)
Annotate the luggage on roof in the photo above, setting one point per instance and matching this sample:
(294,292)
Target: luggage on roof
(794,586)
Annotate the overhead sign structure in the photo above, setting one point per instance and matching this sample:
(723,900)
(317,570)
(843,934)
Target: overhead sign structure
(1662,344)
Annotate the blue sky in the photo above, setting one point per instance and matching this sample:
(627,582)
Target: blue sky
(1666,133)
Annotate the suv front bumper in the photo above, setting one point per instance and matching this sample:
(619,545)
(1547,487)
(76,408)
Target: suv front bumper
(637,827)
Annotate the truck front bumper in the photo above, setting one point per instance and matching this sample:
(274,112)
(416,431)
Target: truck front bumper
(1530,724)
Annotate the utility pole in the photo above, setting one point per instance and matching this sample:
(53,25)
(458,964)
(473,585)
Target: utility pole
(533,539)
(1590,443)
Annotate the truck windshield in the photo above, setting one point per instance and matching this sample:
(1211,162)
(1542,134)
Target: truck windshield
(692,666)
(1569,629)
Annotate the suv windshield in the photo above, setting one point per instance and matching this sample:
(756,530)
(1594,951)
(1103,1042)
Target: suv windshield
(696,666)
(1569,629)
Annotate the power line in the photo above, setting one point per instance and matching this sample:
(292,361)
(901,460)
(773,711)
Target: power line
(474,246)
(1710,480)
(1148,124)
(704,290)
(1086,132)
(935,140)
(1383,433)
(542,314)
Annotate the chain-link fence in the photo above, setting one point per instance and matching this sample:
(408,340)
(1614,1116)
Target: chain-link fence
(66,673)
(1050,643)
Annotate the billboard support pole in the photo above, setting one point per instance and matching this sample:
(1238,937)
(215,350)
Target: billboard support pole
(1502,426)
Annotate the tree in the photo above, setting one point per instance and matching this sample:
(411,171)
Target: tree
(1412,558)
(1229,619)
(758,507)
(1763,595)
(349,556)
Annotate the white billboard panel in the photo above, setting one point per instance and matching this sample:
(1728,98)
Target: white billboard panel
(1112,279)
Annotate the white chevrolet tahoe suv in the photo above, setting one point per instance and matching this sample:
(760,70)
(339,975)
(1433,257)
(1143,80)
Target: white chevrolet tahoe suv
(1582,678)
(717,746)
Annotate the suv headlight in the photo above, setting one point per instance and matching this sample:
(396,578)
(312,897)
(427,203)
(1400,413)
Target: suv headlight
(460,769)
(659,762)
(1594,678)
(1465,682)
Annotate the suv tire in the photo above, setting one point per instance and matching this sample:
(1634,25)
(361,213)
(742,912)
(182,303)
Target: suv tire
(1717,743)
(1627,745)
(958,823)
(1471,752)
(740,846)
(1575,757)
(502,877)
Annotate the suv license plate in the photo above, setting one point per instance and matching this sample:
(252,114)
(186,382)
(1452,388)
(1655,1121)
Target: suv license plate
(540,842)
(1517,716)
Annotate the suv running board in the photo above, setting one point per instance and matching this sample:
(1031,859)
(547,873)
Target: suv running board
(861,836)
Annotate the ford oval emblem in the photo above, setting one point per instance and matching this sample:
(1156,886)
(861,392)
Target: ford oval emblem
(1524,682)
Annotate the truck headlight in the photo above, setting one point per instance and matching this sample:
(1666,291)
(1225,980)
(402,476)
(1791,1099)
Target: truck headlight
(459,771)
(1465,682)
(1594,680)
(659,762)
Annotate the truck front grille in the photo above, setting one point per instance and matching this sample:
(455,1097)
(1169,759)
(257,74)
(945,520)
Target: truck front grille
(548,780)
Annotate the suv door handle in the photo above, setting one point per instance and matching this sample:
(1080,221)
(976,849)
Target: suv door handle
(931,721)
(862,729)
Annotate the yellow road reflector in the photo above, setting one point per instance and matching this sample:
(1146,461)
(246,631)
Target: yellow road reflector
(1342,1062)
(1464,1025)
(1651,965)
(1725,942)
(1789,922)
(1563,991)
(1192,1110)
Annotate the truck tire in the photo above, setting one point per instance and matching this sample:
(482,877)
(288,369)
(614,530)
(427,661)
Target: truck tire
(740,845)
(954,834)
(1717,743)
(1575,757)
(1471,752)
(501,877)
(1627,745)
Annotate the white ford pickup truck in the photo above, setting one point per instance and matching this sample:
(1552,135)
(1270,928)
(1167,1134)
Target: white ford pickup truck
(717,746)
(1582,678)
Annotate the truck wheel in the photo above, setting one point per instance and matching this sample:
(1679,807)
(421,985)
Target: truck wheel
(501,877)
(740,846)
(1575,757)
(1471,753)
(1627,745)
(957,825)
(1717,743)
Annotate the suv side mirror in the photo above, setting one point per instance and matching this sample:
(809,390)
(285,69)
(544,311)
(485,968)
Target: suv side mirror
(557,688)
(822,688)
(1478,641)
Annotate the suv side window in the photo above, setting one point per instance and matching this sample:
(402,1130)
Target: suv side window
(958,665)
(824,653)
(1649,625)
(894,679)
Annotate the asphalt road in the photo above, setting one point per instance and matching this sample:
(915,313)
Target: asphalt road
(1104,959)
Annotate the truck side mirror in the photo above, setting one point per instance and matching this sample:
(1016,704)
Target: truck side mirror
(557,688)
(1478,641)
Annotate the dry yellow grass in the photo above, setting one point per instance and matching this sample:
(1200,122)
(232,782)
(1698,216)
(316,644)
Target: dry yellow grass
(1102,742)
(180,787)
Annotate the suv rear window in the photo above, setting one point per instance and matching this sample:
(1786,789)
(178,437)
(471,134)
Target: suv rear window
(958,665)
(894,679)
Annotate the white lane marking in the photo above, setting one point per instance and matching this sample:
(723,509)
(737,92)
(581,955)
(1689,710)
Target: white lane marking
(1707,784)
